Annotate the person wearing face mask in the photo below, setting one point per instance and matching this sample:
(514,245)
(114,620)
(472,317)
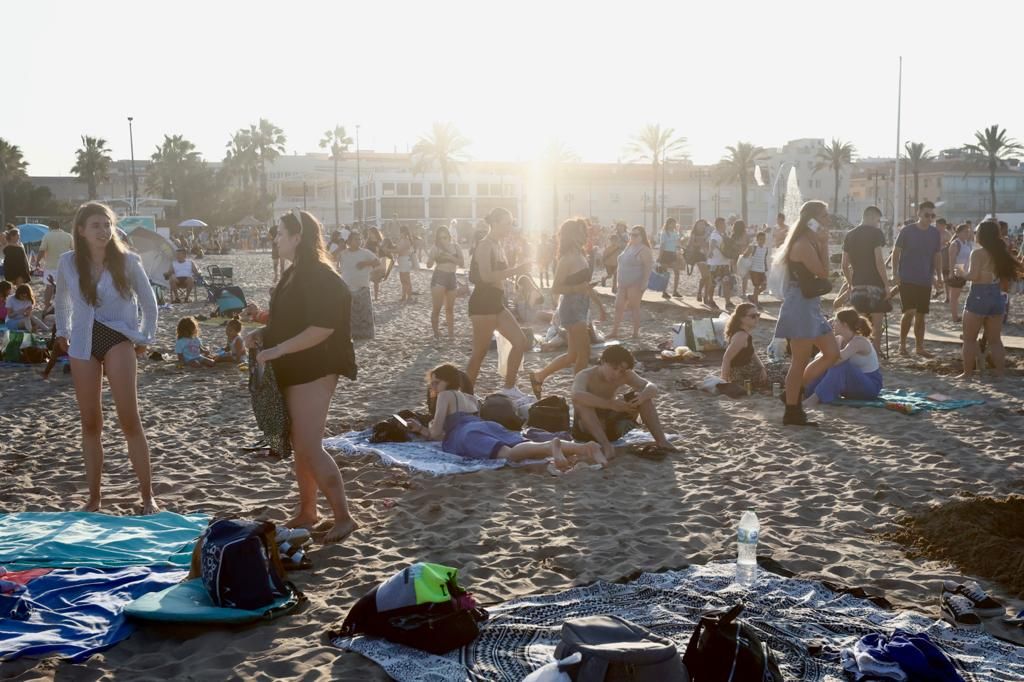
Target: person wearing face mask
(804,255)
(100,288)
(917,266)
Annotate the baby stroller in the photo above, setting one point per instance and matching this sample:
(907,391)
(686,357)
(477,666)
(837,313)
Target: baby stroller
(229,300)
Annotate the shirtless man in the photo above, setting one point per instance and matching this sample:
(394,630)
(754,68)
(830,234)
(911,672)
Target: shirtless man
(603,417)
(780,232)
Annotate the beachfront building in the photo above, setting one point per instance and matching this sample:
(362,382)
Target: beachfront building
(115,191)
(802,155)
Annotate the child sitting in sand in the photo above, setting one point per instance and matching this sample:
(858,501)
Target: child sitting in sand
(252,313)
(741,362)
(189,347)
(19,311)
(458,426)
(234,351)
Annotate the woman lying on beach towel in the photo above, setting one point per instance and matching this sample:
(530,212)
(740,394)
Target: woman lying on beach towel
(857,374)
(458,426)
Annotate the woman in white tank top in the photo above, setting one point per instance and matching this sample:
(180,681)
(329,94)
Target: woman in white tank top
(857,375)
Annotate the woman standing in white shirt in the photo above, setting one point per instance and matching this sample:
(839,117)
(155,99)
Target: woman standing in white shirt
(100,287)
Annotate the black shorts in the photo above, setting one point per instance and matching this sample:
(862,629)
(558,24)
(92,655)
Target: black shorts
(667,258)
(868,299)
(616,425)
(486,300)
(440,278)
(915,297)
(103,339)
(758,279)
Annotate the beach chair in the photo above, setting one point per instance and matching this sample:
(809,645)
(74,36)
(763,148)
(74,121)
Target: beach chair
(221,275)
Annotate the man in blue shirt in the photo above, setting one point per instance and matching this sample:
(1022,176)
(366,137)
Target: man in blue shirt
(916,265)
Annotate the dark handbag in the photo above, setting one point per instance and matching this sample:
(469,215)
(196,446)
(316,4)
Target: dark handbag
(811,286)
(614,650)
(723,648)
(550,414)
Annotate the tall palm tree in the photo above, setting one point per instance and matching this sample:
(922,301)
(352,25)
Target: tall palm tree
(240,160)
(919,156)
(92,163)
(172,161)
(995,148)
(12,167)
(556,154)
(445,147)
(655,143)
(338,142)
(267,143)
(738,166)
(835,155)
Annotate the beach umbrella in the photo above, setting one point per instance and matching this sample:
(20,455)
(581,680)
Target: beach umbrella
(157,253)
(32,233)
(192,222)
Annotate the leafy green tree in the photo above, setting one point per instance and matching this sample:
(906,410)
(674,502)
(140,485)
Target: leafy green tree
(654,143)
(918,155)
(995,148)
(338,142)
(555,156)
(92,163)
(738,166)
(12,167)
(172,162)
(444,147)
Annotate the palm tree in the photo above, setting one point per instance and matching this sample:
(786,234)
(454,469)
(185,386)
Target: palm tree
(995,148)
(655,143)
(835,155)
(918,155)
(739,167)
(172,161)
(339,142)
(444,147)
(556,154)
(12,166)
(240,160)
(267,143)
(92,163)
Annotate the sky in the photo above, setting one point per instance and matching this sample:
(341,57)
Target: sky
(510,75)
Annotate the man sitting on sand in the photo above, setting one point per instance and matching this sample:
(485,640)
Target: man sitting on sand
(601,416)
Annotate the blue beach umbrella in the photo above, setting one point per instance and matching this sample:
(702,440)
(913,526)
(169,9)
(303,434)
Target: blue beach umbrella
(32,233)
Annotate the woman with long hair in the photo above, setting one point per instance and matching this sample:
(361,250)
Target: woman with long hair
(445,256)
(634,268)
(308,344)
(488,271)
(960,248)
(572,283)
(858,374)
(741,362)
(668,253)
(375,244)
(404,253)
(988,267)
(696,254)
(805,256)
(101,286)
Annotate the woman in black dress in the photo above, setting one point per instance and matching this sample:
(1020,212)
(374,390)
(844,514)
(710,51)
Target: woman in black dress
(16,269)
(308,342)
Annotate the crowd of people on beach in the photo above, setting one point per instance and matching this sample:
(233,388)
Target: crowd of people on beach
(101,310)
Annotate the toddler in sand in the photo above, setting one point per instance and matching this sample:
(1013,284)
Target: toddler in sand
(189,347)
(234,351)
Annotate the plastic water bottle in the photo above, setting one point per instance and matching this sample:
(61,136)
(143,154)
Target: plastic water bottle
(746,548)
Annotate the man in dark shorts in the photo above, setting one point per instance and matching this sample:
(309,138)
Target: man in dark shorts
(866,275)
(916,268)
(602,417)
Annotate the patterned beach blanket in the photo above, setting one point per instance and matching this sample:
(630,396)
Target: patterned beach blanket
(428,457)
(788,613)
(911,402)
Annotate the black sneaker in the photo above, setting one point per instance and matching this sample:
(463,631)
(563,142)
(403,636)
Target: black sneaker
(981,602)
(959,611)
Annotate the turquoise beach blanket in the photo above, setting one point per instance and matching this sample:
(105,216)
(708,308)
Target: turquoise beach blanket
(74,539)
(910,402)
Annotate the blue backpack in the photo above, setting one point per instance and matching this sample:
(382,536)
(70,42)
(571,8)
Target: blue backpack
(239,564)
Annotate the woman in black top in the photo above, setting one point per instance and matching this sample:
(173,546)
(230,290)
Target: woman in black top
(16,270)
(488,271)
(309,343)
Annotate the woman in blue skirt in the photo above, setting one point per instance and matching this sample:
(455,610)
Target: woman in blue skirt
(805,255)
(457,424)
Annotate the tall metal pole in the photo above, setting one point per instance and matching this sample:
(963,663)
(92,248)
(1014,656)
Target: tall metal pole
(898,203)
(135,185)
(359,186)
(700,189)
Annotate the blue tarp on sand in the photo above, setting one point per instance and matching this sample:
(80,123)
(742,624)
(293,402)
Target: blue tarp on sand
(76,612)
(75,539)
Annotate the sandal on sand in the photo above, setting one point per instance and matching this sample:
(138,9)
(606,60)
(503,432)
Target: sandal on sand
(536,384)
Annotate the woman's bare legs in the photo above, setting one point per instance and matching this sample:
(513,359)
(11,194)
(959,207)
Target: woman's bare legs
(406,279)
(508,327)
(801,350)
(954,303)
(307,409)
(970,349)
(530,450)
(994,331)
(483,332)
(449,313)
(122,372)
(577,356)
(621,298)
(87,376)
(436,301)
(829,348)
(636,295)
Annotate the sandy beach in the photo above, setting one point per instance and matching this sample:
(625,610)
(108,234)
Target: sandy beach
(824,496)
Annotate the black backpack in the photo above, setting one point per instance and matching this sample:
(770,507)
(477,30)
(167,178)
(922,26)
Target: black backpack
(500,408)
(549,414)
(723,648)
(615,650)
(239,564)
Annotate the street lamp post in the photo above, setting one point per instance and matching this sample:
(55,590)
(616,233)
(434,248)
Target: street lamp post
(135,186)
(700,190)
(359,187)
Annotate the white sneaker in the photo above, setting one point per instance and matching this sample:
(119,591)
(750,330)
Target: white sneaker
(982,603)
(959,611)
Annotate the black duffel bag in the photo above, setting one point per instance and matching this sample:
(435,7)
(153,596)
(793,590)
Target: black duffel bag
(549,414)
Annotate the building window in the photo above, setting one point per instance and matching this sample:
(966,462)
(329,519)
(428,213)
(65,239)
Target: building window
(388,189)
(435,189)
(403,189)
(464,189)
(495,190)
(510,190)
(614,197)
(481,190)
(451,189)
(415,189)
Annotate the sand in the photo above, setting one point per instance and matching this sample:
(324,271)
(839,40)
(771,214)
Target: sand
(824,496)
